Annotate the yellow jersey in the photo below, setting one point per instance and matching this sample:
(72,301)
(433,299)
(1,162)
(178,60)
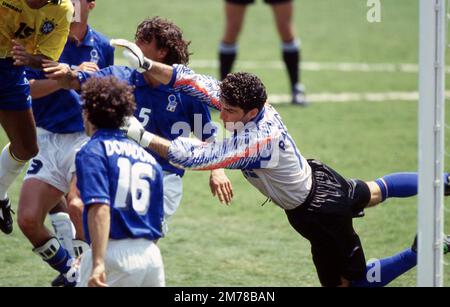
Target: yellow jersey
(42,31)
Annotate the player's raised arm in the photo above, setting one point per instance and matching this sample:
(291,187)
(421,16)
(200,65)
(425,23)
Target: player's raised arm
(180,77)
(66,77)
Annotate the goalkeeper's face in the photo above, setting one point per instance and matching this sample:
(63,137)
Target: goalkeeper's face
(235,118)
(151,50)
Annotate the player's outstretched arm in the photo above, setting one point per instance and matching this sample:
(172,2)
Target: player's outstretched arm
(187,153)
(203,87)
(66,77)
(136,59)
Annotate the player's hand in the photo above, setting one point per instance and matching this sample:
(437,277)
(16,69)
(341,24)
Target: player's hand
(133,54)
(88,67)
(20,55)
(221,186)
(98,277)
(62,73)
(136,132)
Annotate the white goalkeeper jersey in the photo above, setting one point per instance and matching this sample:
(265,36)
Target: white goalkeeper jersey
(263,149)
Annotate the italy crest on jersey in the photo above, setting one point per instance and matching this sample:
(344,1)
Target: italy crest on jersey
(173,103)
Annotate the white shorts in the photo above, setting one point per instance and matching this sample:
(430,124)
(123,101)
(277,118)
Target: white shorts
(128,263)
(173,191)
(55,162)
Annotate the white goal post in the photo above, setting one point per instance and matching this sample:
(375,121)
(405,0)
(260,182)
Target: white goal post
(431,142)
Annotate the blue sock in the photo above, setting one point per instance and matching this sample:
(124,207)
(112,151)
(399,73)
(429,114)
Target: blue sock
(60,261)
(55,255)
(382,272)
(400,184)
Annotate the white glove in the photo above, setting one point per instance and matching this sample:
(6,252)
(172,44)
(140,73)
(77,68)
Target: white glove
(133,54)
(136,132)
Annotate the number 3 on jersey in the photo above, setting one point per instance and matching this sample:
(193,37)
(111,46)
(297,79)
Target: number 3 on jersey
(134,179)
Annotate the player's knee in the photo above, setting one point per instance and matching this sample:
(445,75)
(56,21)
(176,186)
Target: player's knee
(24,152)
(27,222)
(75,206)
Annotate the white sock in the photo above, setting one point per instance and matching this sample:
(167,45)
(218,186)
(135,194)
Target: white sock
(64,230)
(10,168)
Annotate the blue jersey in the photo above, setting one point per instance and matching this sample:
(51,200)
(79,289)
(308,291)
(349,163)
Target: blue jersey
(60,111)
(113,170)
(163,110)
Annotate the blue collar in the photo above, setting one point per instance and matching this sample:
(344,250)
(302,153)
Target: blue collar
(108,132)
(89,38)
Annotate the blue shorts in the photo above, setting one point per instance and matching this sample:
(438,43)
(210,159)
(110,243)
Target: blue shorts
(14,87)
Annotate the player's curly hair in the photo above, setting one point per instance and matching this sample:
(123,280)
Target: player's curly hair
(243,90)
(168,36)
(107,102)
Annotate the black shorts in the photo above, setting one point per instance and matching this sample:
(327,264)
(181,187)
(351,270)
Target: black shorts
(326,220)
(245,2)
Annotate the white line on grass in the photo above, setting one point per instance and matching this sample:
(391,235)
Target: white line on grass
(327,66)
(348,97)
(311,66)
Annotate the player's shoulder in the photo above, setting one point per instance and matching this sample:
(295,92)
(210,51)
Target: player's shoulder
(101,39)
(63,11)
(92,147)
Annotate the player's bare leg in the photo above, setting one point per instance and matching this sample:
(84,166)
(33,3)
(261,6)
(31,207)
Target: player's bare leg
(234,14)
(283,14)
(21,131)
(75,208)
(37,198)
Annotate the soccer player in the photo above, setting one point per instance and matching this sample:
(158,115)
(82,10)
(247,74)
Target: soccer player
(60,131)
(121,186)
(162,110)
(283,11)
(41,26)
(319,203)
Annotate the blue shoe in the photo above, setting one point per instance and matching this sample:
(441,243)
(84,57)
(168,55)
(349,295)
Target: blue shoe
(6,221)
(58,281)
(447,187)
(446,244)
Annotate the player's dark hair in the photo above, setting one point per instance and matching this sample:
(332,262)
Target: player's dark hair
(168,36)
(243,90)
(107,102)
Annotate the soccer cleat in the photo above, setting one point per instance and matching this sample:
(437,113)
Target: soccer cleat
(6,221)
(299,96)
(447,186)
(414,245)
(446,244)
(58,281)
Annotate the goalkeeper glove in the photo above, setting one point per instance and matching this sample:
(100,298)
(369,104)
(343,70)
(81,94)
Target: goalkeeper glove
(136,132)
(133,54)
